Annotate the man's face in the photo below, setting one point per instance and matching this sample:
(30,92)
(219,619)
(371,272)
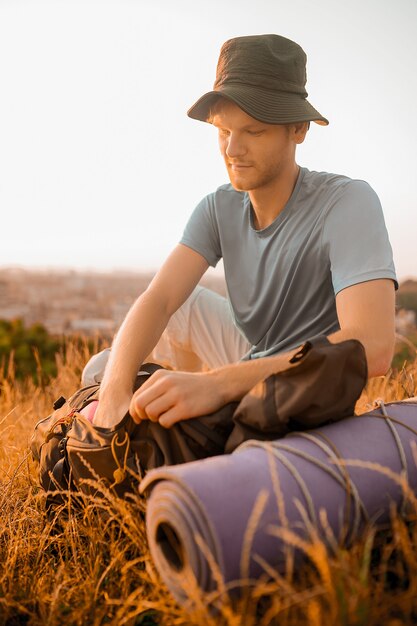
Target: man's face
(256,154)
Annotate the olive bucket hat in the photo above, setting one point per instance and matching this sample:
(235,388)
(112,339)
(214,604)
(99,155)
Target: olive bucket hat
(265,75)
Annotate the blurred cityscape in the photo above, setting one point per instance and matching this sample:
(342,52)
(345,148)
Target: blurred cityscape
(72,302)
(92,303)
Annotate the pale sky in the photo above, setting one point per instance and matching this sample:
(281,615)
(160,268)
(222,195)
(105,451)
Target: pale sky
(101,167)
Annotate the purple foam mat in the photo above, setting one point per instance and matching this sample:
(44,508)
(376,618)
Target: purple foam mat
(201,514)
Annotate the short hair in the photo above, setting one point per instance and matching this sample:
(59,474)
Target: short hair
(215,106)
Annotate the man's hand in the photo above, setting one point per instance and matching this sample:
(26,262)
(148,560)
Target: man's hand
(168,397)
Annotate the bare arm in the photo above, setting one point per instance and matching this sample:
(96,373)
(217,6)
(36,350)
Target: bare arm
(142,328)
(365,312)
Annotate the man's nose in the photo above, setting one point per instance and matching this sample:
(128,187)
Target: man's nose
(235,146)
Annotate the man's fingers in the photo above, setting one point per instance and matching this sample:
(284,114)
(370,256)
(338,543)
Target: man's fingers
(169,397)
(150,391)
(152,403)
(159,406)
(137,413)
(169,418)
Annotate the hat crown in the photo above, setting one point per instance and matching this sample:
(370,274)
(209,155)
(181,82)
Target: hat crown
(264,61)
(264,75)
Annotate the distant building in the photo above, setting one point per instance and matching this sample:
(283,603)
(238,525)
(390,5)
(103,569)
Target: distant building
(93,326)
(405,321)
(13,312)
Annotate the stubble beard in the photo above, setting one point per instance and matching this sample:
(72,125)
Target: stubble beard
(254,179)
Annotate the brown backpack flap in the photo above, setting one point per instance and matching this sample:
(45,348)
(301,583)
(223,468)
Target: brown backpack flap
(102,454)
(322,384)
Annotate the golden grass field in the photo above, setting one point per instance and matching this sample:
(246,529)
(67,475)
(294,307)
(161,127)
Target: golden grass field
(94,566)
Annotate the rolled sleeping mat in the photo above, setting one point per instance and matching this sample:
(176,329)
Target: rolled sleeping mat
(266,496)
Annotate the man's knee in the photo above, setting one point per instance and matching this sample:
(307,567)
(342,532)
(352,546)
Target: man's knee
(94,370)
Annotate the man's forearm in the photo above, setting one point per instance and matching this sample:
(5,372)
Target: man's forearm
(135,339)
(238,378)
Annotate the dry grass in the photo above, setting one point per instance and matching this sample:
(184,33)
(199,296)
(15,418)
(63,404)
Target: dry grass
(92,566)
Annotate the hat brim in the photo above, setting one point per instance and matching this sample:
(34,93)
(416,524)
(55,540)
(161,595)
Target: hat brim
(271,107)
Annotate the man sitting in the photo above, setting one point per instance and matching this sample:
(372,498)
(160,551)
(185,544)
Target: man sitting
(305,254)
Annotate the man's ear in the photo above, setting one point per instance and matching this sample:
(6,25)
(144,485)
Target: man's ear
(299,131)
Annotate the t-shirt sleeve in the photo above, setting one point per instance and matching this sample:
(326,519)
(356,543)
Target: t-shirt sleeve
(201,232)
(355,235)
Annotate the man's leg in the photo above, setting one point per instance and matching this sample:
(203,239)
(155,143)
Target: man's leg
(200,335)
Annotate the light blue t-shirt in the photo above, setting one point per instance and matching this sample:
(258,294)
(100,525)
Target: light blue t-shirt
(282,280)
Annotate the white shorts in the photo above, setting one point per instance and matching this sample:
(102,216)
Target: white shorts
(200,335)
